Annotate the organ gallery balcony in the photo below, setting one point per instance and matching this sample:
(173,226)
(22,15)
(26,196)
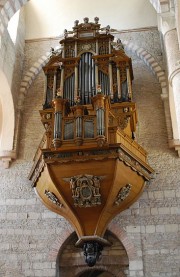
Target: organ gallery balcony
(89,167)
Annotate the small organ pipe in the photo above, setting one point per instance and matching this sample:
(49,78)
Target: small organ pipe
(62,81)
(97,47)
(75,49)
(100,122)
(45,87)
(109,46)
(119,82)
(111,80)
(96,76)
(76,84)
(57,125)
(58,107)
(129,84)
(54,84)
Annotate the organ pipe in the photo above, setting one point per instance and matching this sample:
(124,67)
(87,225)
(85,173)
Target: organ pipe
(129,83)
(110,80)
(62,80)
(75,49)
(100,122)
(45,87)
(97,48)
(119,83)
(54,84)
(58,106)
(57,125)
(86,77)
(96,76)
(109,46)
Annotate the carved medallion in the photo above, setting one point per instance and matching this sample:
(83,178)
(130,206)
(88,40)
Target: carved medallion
(85,190)
(123,193)
(52,197)
(123,121)
(86,47)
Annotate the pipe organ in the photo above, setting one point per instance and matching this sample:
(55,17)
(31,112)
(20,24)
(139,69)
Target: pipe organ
(88,167)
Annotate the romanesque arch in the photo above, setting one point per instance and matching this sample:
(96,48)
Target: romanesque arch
(117,265)
(6,121)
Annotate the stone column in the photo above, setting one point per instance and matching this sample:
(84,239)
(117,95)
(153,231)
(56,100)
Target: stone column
(173,62)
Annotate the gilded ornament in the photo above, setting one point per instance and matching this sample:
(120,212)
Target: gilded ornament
(52,197)
(85,190)
(123,194)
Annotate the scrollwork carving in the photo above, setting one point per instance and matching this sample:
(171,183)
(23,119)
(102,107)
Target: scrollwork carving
(52,197)
(123,121)
(123,194)
(85,190)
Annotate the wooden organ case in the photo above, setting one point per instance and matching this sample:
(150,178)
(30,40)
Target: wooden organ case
(89,168)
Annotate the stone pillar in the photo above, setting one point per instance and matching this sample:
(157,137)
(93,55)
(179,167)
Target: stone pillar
(173,63)
(167,24)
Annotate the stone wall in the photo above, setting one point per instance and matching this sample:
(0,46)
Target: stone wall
(30,235)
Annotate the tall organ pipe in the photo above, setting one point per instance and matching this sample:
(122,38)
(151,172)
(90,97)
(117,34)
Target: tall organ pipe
(86,77)
(104,82)
(69,89)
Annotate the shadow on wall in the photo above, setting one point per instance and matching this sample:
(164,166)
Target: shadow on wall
(96,273)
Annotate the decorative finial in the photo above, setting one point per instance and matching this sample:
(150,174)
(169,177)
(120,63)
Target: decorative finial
(96,20)
(65,33)
(86,20)
(99,91)
(76,22)
(59,94)
(52,52)
(108,29)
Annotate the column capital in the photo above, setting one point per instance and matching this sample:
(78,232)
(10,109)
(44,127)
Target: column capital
(6,157)
(166,23)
